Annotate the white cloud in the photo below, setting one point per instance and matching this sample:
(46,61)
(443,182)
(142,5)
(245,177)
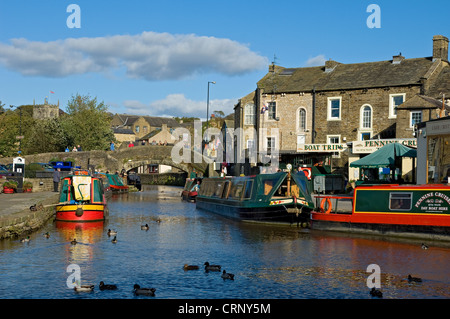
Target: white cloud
(179,105)
(318,60)
(149,55)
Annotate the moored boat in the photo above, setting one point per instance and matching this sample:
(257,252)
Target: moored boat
(116,183)
(421,211)
(278,197)
(82,198)
(191,188)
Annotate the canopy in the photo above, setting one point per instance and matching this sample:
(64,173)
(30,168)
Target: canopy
(385,156)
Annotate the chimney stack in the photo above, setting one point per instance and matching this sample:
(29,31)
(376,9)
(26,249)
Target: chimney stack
(330,65)
(440,47)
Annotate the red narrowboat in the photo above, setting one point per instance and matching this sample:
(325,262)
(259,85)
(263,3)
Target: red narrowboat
(420,211)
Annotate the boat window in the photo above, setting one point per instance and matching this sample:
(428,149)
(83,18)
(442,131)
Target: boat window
(248,189)
(238,190)
(268,185)
(400,201)
(219,189)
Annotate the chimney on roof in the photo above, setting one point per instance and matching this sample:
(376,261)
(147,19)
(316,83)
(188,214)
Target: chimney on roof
(440,47)
(397,59)
(330,65)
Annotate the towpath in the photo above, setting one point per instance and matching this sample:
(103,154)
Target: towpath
(16,217)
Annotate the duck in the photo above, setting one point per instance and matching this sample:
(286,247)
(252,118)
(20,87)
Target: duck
(74,242)
(190,267)
(112,232)
(424,246)
(209,267)
(47,235)
(102,286)
(376,293)
(226,275)
(143,291)
(25,240)
(144,227)
(414,279)
(84,288)
(114,240)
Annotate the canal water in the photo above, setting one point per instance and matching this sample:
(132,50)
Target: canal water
(276,262)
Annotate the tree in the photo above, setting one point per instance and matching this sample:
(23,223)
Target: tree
(47,136)
(87,123)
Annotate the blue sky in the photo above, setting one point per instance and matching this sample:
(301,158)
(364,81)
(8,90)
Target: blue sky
(156,57)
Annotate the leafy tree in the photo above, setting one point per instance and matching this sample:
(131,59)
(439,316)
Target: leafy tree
(47,136)
(87,123)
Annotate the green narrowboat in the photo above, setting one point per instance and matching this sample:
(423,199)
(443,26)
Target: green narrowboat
(399,210)
(278,197)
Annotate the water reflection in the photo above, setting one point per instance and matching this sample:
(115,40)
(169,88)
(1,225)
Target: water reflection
(268,261)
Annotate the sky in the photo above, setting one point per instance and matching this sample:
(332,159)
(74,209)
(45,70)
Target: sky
(156,57)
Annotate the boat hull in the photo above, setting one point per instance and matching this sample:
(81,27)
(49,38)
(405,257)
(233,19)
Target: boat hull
(268,214)
(81,213)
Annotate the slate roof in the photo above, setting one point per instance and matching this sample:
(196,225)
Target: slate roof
(347,76)
(154,121)
(421,102)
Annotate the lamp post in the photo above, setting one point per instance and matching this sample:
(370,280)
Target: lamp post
(207,108)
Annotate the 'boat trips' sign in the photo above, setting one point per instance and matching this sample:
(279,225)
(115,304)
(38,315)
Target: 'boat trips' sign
(321,147)
(370,146)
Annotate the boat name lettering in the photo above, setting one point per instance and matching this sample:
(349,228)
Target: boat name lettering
(437,194)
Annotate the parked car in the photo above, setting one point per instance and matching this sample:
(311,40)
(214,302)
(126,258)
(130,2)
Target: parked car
(45,166)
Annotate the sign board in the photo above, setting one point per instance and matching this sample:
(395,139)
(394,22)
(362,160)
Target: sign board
(321,148)
(441,127)
(370,146)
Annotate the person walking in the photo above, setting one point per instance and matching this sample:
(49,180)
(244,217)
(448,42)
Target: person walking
(56,179)
(111,146)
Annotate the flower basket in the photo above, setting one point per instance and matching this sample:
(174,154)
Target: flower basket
(7,190)
(27,187)
(9,187)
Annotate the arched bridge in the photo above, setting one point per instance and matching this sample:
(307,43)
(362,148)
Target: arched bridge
(125,158)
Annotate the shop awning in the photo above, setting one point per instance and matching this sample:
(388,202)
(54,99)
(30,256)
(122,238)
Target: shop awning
(385,156)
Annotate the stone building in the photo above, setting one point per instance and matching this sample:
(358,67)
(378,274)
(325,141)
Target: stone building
(141,125)
(313,108)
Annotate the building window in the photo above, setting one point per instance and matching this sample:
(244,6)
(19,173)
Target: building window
(301,120)
(272,110)
(366,117)
(334,108)
(416,117)
(394,101)
(271,144)
(334,139)
(145,128)
(249,114)
(136,128)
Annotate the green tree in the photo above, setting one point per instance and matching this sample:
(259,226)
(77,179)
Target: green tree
(47,136)
(87,123)
(12,124)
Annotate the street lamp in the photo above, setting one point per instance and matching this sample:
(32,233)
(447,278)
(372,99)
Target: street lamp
(207,107)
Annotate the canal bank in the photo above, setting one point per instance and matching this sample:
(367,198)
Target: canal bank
(16,218)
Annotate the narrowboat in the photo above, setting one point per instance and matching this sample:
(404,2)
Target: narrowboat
(419,211)
(81,199)
(191,188)
(116,184)
(278,197)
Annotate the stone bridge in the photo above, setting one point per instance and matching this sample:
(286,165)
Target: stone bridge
(125,158)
